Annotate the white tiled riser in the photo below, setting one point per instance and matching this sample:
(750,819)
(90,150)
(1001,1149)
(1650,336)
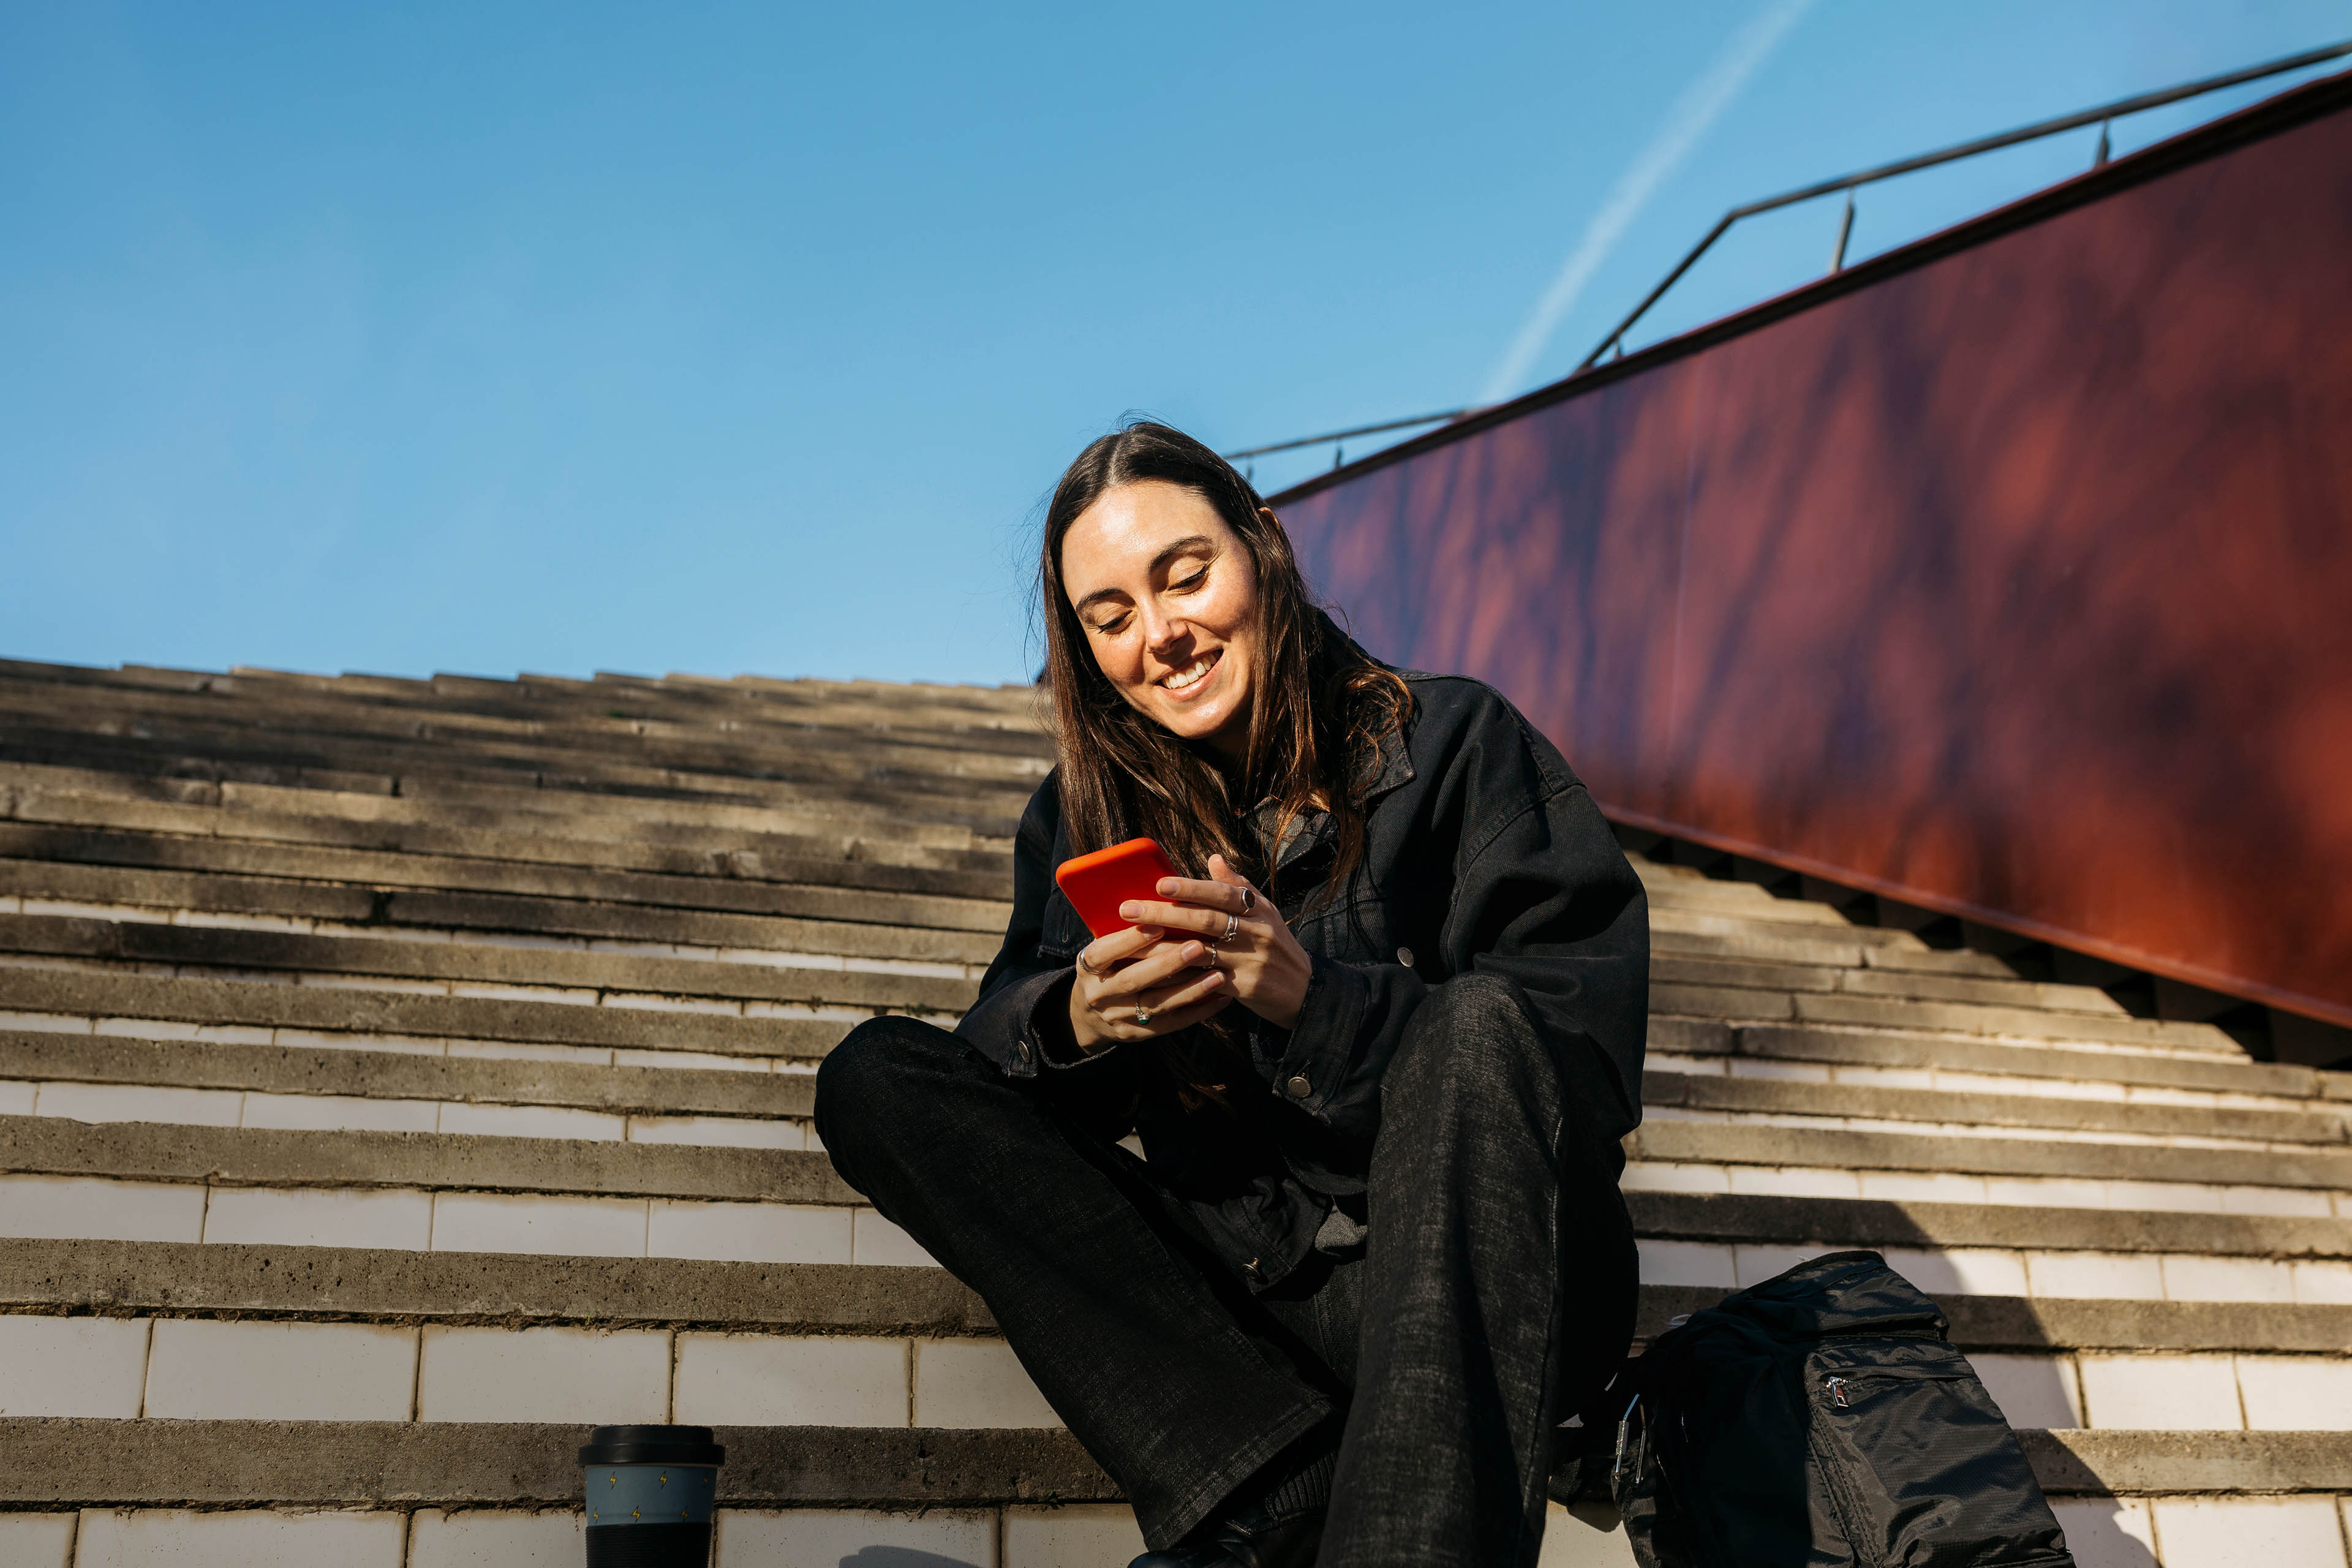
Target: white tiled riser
(767,958)
(95,1208)
(1085,1536)
(2206,1531)
(205,1369)
(352,1113)
(1959,1187)
(2000,1271)
(422,1045)
(1863,1076)
(2123,1533)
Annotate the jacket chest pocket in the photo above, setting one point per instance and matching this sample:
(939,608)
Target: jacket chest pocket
(1364,931)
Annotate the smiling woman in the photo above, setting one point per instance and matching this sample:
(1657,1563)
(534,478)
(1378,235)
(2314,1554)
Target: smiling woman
(1379,1046)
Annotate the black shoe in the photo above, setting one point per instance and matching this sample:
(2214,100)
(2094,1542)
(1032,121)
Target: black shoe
(1245,1541)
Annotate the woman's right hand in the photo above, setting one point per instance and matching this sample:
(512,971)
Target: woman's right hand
(1170,984)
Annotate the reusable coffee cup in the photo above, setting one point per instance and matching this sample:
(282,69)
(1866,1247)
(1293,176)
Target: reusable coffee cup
(651,1490)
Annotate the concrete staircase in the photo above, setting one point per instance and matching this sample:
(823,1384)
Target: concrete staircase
(396,1077)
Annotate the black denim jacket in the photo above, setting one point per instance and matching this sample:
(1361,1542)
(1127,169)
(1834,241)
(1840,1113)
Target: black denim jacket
(1482,852)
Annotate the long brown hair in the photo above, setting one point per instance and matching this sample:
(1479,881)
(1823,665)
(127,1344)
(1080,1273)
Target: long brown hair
(1320,707)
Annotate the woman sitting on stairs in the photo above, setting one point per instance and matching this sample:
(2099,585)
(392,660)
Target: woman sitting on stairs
(1379,1053)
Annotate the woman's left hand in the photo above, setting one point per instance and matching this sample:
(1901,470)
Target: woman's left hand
(1269,969)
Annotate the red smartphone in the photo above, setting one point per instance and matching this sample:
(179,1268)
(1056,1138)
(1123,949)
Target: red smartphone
(1099,883)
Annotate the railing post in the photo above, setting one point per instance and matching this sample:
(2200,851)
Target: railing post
(2099,159)
(1845,230)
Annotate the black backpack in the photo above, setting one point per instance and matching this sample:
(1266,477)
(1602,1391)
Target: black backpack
(1822,1418)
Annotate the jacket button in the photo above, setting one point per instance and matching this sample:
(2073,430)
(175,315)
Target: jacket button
(1404,956)
(1024,1049)
(1299,1088)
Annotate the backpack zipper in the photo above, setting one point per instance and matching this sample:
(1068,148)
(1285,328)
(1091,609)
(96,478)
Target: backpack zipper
(1837,1393)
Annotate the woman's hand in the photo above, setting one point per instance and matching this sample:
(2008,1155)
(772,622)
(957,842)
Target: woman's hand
(1269,970)
(1134,985)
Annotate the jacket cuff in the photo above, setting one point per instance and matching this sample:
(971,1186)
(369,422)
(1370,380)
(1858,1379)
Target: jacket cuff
(1323,1041)
(1049,1027)
(1003,1027)
(1018,1026)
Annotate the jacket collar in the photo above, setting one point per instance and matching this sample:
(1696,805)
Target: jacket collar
(1389,768)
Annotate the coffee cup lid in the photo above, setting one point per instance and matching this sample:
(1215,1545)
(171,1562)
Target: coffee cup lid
(652,1445)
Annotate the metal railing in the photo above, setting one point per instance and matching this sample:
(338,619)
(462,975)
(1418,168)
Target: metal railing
(2104,117)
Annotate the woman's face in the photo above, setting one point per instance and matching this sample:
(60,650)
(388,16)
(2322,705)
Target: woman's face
(1168,604)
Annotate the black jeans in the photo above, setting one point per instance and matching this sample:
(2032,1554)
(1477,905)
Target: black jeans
(1494,1295)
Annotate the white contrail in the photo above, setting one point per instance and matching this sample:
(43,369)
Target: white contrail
(1693,113)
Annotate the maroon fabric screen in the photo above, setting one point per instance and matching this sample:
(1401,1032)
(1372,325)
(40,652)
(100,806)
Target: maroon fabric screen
(2011,575)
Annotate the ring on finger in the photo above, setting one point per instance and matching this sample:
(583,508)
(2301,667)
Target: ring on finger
(1142,1016)
(1249,899)
(1088,968)
(1233,928)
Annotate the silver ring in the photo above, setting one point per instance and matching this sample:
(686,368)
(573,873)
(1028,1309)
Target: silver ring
(1090,969)
(1233,928)
(1249,899)
(1143,1015)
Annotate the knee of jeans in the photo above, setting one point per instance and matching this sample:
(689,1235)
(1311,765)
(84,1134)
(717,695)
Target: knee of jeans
(1475,1030)
(877,1066)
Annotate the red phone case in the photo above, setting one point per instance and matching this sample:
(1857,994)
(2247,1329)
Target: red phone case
(1099,883)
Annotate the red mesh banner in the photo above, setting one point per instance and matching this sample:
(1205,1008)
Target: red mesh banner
(2011,576)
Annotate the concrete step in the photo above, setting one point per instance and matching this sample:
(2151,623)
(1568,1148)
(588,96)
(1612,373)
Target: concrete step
(476,968)
(1748,920)
(728,888)
(1730,1241)
(305,1159)
(922,799)
(138,823)
(1738,900)
(535,705)
(1976,1112)
(745,737)
(1737,939)
(1686,969)
(870,823)
(75,1463)
(695,768)
(947,818)
(96,1079)
(2159,1176)
(521,833)
(200,898)
(527,688)
(67,1001)
(76,1279)
(1903,1058)
(1742,1004)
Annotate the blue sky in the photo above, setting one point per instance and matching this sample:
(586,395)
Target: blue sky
(486,338)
